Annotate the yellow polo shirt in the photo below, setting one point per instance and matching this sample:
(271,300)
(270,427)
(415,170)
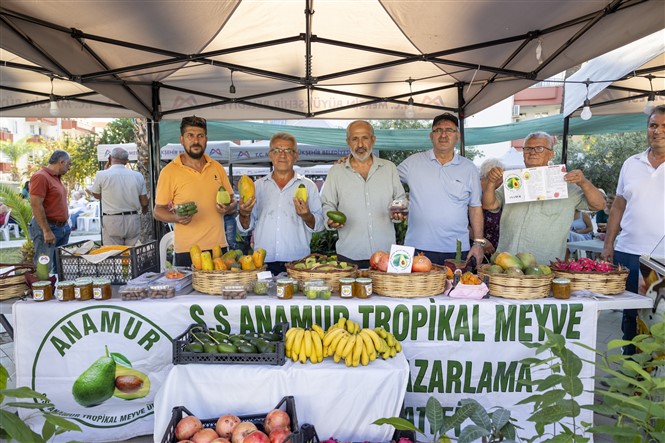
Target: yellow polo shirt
(181,184)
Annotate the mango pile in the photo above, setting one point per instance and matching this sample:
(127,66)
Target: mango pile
(523,263)
(233,260)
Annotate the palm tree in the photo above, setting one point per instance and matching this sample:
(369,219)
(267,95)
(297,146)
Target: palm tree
(143,166)
(15,152)
(21,213)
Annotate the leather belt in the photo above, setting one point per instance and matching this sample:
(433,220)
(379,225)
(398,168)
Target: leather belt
(57,223)
(125,213)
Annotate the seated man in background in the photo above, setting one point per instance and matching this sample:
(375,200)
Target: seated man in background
(77,206)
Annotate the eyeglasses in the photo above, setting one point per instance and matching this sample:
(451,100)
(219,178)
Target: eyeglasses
(537,149)
(441,131)
(277,151)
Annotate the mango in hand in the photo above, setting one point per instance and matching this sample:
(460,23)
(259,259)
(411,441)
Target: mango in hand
(223,196)
(301,192)
(245,188)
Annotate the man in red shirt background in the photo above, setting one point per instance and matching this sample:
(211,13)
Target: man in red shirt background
(49,226)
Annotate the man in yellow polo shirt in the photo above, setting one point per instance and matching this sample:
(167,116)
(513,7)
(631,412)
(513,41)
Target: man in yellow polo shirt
(193,177)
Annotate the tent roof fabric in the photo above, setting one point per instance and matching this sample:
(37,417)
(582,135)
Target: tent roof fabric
(633,72)
(297,59)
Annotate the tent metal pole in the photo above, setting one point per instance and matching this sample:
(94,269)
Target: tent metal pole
(460,113)
(155,159)
(564,149)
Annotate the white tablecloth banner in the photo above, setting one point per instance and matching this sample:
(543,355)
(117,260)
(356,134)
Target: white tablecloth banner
(340,401)
(456,349)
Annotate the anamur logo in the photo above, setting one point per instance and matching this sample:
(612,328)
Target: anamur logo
(104,359)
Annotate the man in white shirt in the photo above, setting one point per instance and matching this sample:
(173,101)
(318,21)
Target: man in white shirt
(123,194)
(637,215)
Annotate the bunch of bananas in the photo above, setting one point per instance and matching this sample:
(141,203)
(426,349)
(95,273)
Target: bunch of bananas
(302,344)
(346,340)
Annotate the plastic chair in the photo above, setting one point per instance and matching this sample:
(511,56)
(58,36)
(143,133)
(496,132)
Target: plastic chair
(7,227)
(164,245)
(84,220)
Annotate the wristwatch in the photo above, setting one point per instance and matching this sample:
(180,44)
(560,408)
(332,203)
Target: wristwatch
(480,242)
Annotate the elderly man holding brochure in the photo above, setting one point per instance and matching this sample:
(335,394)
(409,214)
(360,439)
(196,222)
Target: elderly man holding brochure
(541,226)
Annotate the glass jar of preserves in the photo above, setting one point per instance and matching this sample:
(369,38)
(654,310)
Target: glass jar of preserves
(83,288)
(42,291)
(65,290)
(561,288)
(362,288)
(346,287)
(101,289)
(284,288)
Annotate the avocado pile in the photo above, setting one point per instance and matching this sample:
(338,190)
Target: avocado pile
(317,262)
(215,342)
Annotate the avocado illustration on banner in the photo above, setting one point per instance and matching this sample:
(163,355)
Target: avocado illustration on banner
(110,375)
(130,383)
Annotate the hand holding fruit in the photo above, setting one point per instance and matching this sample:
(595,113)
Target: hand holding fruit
(245,210)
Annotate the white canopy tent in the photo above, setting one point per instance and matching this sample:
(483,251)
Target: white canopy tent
(258,152)
(103,151)
(632,72)
(297,59)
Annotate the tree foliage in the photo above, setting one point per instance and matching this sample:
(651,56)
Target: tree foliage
(15,151)
(83,152)
(601,156)
(120,130)
(398,157)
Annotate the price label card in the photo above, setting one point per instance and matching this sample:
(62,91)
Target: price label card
(401,259)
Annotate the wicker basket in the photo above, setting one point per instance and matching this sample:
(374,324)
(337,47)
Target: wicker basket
(607,283)
(519,287)
(415,284)
(211,282)
(330,277)
(12,285)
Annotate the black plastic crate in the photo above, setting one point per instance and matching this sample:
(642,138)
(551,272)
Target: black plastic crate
(119,268)
(182,357)
(304,434)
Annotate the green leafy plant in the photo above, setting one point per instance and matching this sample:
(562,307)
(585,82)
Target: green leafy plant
(323,242)
(636,389)
(635,394)
(13,428)
(22,213)
(497,426)
(556,394)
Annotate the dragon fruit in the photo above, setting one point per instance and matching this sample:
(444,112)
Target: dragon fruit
(583,265)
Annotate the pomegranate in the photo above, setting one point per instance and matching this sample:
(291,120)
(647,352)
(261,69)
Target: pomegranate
(205,436)
(226,424)
(187,427)
(276,419)
(279,435)
(421,263)
(256,437)
(376,258)
(241,431)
